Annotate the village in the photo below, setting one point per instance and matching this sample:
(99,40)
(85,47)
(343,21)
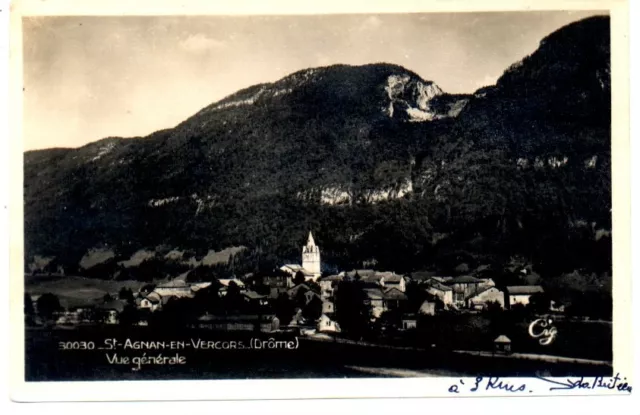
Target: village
(300,298)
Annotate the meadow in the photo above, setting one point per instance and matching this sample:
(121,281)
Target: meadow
(75,291)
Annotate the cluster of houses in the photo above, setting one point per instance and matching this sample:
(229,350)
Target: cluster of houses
(386,291)
(383,291)
(470,293)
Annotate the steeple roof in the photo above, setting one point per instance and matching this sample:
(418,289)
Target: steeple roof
(310,241)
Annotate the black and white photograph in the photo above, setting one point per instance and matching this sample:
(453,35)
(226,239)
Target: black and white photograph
(320,196)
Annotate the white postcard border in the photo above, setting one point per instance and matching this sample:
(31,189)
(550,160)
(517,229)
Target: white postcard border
(312,388)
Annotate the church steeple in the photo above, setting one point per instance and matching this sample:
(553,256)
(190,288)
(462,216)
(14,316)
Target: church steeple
(311,257)
(310,241)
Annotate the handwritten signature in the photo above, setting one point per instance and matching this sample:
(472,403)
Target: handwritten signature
(612,383)
(617,383)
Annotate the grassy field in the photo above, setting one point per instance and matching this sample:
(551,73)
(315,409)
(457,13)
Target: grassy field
(75,291)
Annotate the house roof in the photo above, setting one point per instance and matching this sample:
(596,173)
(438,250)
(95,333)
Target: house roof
(154,297)
(226,281)
(377,276)
(372,278)
(524,289)
(409,317)
(361,272)
(464,279)
(175,283)
(199,286)
(297,268)
(392,278)
(439,286)
(394,294)
(180,294)
(294,267)
(252,295)
(502,339)
(374,293)
(421,275)
(294,290)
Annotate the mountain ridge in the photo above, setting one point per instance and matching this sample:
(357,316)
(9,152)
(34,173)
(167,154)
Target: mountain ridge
(360,154)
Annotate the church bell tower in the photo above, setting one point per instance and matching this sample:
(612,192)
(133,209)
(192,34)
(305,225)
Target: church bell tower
(311,257)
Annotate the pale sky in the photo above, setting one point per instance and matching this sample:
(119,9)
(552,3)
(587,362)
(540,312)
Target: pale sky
(88,78)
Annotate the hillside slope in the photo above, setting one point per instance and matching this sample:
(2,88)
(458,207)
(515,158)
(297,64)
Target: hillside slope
(380,163)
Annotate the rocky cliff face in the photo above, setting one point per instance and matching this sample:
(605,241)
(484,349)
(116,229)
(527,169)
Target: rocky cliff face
(400,93)
(411,96)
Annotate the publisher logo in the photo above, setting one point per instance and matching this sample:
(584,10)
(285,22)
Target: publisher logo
(543,330)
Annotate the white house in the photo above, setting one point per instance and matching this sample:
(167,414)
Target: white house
(481,299)
(327,307)
(111,317)
(391,280)
(174,288)
(443,292)
(427,308)
(375,296)
(328,285)
(409,321)
(152,302)
(463,286)
(521,294)
(325,324)
(70,317)
(393,298)
(278,282)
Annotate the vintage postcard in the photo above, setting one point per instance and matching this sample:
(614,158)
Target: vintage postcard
(337,201)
